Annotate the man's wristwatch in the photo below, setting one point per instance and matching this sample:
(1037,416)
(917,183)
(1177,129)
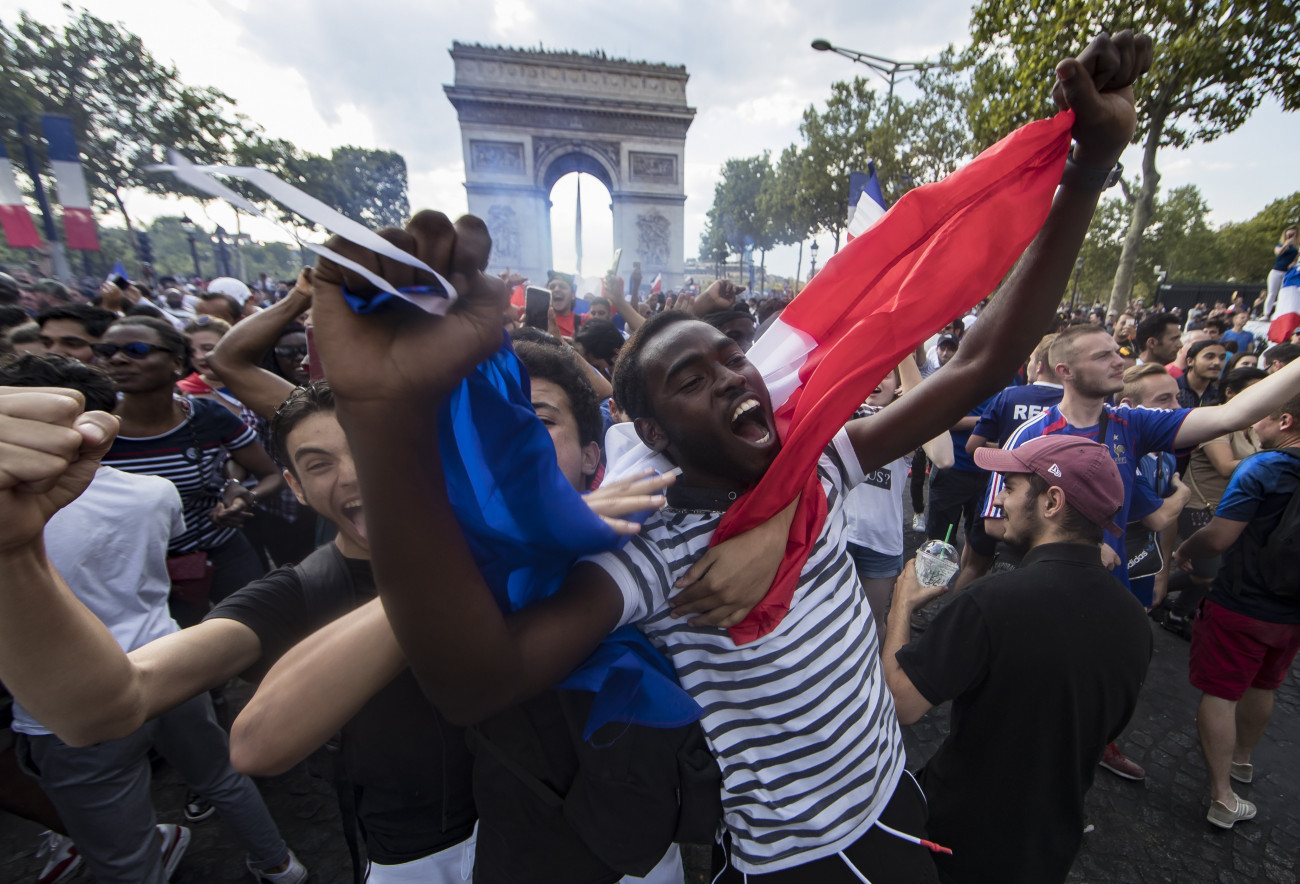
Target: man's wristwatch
(1089,177)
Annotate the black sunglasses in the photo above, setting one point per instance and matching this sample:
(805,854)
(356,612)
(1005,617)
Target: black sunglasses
(290,350)
(135,349)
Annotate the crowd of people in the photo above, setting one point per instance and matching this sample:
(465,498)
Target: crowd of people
(200,485)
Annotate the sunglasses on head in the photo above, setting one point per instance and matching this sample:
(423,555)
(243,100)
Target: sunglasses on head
(135,349)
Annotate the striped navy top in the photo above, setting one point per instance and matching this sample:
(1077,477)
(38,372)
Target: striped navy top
(801,721)
(191,456)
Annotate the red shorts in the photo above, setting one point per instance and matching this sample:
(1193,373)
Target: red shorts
(1232,652)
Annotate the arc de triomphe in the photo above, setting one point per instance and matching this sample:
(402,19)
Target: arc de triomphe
(528,117)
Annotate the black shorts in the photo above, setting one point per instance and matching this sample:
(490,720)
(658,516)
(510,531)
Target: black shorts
(954,495)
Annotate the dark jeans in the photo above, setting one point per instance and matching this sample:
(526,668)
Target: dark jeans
(879,856)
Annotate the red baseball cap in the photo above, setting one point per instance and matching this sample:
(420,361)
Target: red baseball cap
(1084,470)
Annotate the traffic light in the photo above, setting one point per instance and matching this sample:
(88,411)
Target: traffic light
(144,247)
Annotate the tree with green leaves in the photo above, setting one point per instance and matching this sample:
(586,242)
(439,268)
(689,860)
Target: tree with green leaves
(126,106)
(1216,60)
(736,220)
(912,142)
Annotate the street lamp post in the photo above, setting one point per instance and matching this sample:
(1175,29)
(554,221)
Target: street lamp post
(889,69)
(1074,295)
(812,265)
(188,226)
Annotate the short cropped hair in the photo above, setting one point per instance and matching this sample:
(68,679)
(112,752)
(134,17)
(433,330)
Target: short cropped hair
(52,370)
(629,375)
(560,367)
(1153,327)
(95,320)
(1133,378)
(1063,347)
(1283,353)
(600,339)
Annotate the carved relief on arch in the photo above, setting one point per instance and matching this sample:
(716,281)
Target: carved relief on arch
(653,239)
(503,227)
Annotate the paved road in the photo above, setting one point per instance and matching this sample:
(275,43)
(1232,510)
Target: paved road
(1144,832)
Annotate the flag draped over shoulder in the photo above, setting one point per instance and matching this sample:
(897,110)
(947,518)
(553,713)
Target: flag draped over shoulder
(1286,313)
(526,525)
(939,251)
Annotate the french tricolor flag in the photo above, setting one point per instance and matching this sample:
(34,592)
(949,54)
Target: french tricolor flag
(939,251)
(78,222)
(1286,313)
(657,285)
(866,202)
(14,217)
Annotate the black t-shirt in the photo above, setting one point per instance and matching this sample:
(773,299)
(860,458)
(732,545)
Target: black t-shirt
(1043,665)
(410,768)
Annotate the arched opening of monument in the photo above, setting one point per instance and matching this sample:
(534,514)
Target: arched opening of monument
(582,225)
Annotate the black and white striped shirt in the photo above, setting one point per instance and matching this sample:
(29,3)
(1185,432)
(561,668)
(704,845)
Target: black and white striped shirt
(800,720)
(191,456)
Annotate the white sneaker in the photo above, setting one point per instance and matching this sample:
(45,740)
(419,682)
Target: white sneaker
(175,839)
(294,873)
(61,858)
(918,522)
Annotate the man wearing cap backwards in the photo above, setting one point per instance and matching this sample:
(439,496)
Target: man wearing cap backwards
(1048,658)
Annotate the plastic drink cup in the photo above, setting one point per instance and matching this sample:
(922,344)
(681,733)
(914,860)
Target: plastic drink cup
(936,563)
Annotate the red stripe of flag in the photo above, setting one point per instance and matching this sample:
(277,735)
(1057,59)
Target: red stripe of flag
(19,229)
(938,252)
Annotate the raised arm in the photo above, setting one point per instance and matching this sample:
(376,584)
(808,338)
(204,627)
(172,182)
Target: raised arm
(614,291)
(1014,322)
(1251,404)
(389,373)
(314,689)
(56,657)
(237,358)
(939,449)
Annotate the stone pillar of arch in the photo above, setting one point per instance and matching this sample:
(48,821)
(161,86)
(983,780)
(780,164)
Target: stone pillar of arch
(528,117)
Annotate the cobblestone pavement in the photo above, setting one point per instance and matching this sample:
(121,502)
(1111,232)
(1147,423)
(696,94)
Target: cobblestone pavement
(1144,832)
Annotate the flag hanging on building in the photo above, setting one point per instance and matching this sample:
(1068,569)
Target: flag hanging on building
(19,228)
(866,202)
(78,221)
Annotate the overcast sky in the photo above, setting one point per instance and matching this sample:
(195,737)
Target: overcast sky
(325,73)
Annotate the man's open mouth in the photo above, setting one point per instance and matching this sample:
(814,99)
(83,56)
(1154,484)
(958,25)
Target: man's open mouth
(356,517)
(750,423)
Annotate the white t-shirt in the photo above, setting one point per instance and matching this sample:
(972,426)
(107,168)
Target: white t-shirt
(800,720)
(110,546)
(874,509)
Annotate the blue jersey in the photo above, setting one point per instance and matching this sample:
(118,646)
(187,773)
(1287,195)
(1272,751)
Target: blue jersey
(1257,494)
(1154,484)
(1130,434)
(1013,406)
(960,459)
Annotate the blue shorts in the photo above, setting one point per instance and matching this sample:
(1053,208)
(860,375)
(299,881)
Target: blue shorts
(872,564)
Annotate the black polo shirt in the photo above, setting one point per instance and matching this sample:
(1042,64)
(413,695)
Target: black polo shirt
(1043,665)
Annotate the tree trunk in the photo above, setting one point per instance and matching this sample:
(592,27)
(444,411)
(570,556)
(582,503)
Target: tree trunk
(1143,209)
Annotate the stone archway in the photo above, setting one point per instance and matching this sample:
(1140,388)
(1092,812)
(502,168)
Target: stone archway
(529,117)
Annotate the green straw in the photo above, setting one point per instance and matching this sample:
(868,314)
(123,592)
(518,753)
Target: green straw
(947,537)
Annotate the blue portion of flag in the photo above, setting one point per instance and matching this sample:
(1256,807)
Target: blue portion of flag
(526,526)
(60,138)
(118,270)
(872,187)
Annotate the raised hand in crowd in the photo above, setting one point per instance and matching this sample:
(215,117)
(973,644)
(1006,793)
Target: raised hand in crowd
(237,359)
(719,296)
